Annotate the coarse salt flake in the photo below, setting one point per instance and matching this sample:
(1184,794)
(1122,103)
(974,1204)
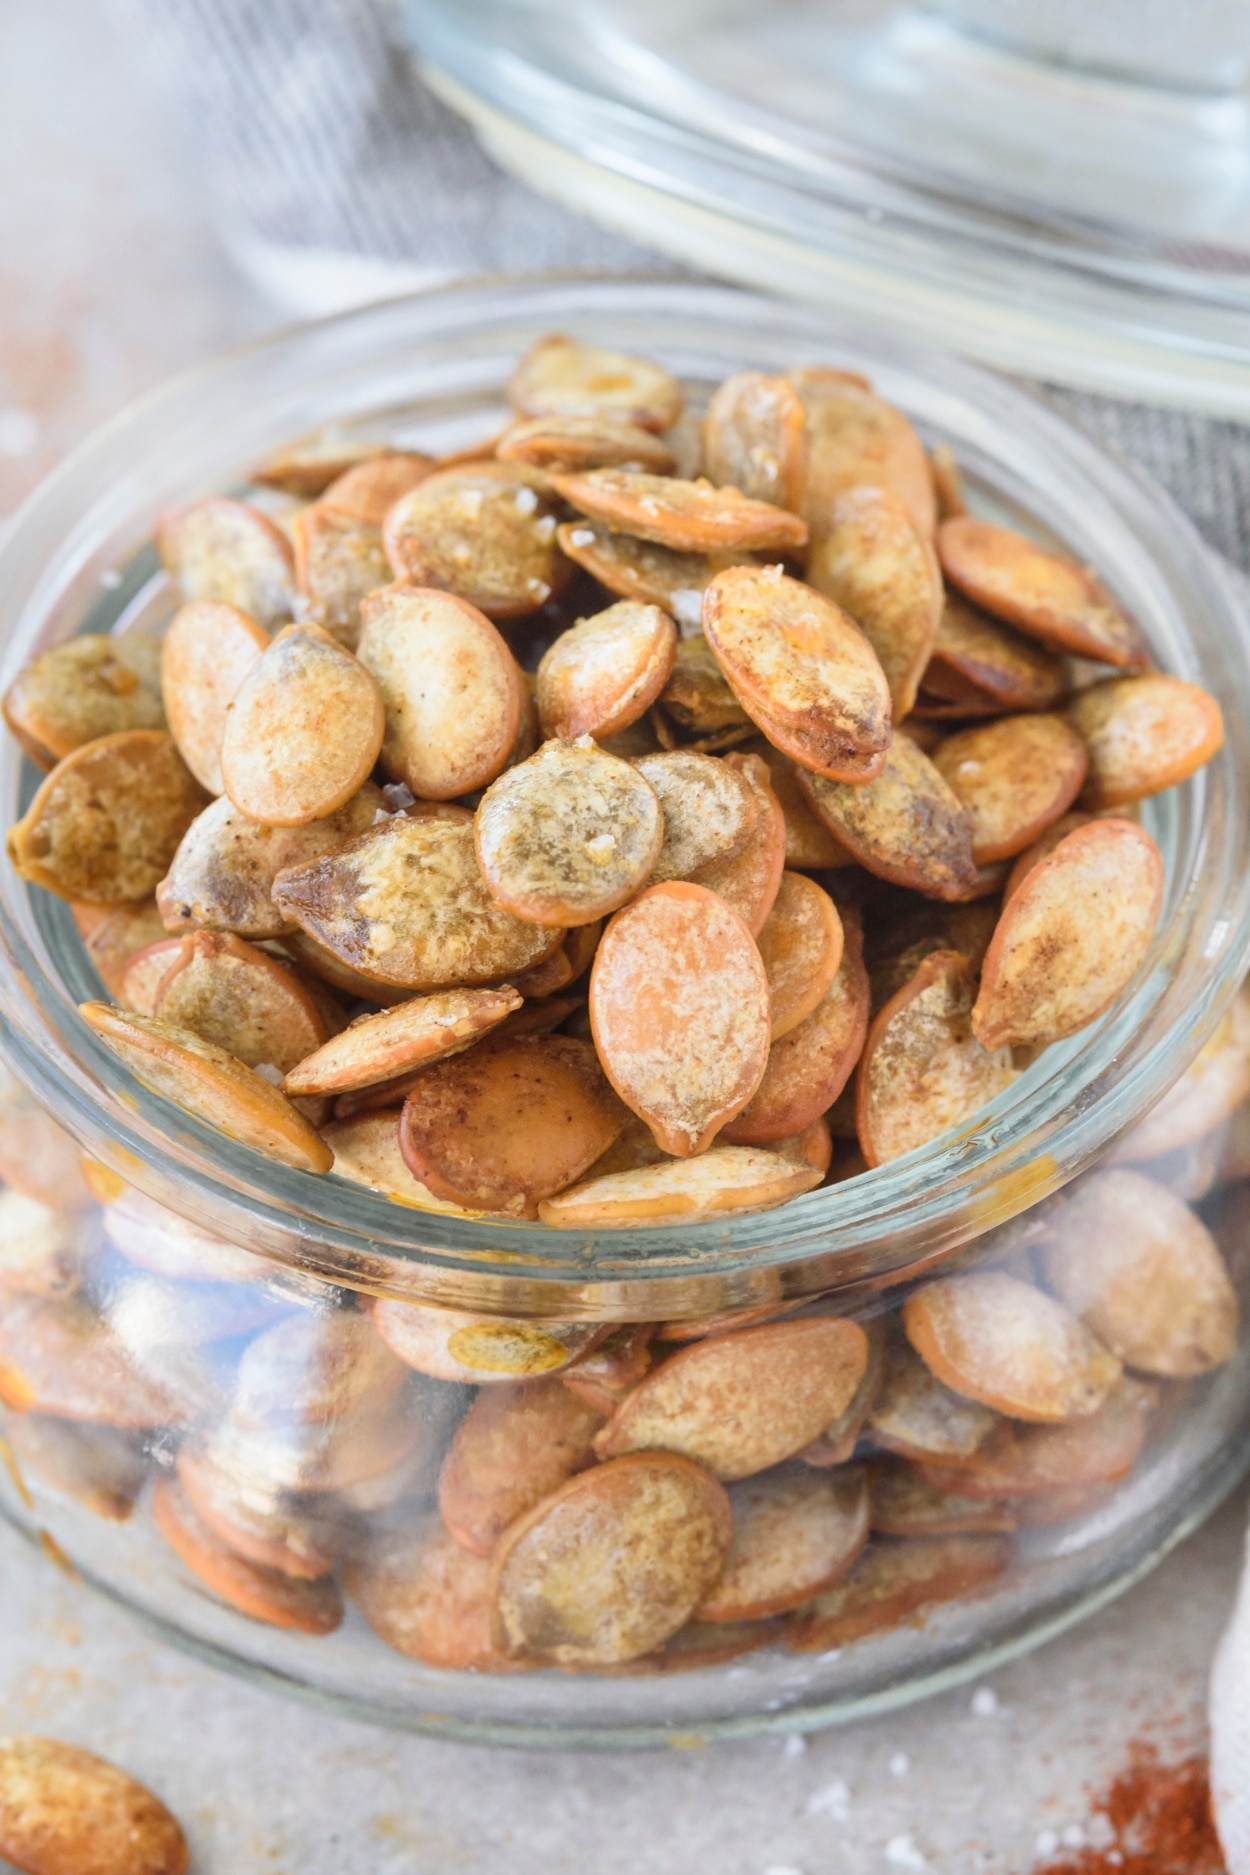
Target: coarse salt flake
(526,500)
(901,1852)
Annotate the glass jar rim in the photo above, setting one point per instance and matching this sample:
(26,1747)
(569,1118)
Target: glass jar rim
(457,343)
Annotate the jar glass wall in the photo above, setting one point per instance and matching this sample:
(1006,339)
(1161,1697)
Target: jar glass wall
(237,1395)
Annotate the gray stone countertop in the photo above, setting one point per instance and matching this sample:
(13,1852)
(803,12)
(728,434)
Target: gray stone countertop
(110,278)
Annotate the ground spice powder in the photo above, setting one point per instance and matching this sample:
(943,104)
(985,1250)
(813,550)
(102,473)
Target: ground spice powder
(1161,1818)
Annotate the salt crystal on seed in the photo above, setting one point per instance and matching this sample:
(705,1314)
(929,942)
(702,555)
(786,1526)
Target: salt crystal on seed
(526,500)
(900,1764)
(1047,1841)
(1100,1832)
(398,795)
(582,537)
(545,526)
(1073,1837)
(268,1072)
(985,1702)
(110,579)
(833,1801)
(795,1746)
(686,605)
(901,1852)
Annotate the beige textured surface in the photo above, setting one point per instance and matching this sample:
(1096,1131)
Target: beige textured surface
(109,279)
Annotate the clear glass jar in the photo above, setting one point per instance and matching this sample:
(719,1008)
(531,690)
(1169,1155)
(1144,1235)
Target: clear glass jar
(220,1341)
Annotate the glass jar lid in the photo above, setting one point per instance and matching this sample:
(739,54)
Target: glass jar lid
(1069,199)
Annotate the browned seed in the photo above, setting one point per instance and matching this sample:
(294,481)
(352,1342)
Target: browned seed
(948,484)
(449,1344)
(688,517)
(612,1563)
(796,1533)
(269,1528)
(699,1645)
(307,467)
(145,973)
(59,1358)
(211,1084)
(510,1123)
(1144,1273)
(112,935)
(1042,848)
(99,1467)
(754,438)
(567,836)
(1144,734)
(1042,594)
(91,686)
(367,491)
(923,1070)
(561,377)
(345,983)
(1206,1097)
(996,1339)
(750,879)
(359,904)
(516,1445)
(742,1402)
(907,824)
(710,811)
(904,1504)
(894,1579)
(42,1251)
(207,652)
(377,1048)
(314,1367)
(809,1065)
(486,531)
(267,1595)
(1014,777)
(229,993)
(842,1435)
(564,445)
(338,561)
(801,669)
(726,1180)
(882,570)
(992,661)
(901,944)
(303,731)
(63,1811)
(605,672)
(680,1013)
(801,944)
(640,569)
(1071,937)
(106,822)
(855,440)
(428,1598)
(428,652)
(810,847)
(366,1150)
(1023,1462)
(222,875)
(222,549)
(697,697)
(554,973)
(916,1417)
(609,1371)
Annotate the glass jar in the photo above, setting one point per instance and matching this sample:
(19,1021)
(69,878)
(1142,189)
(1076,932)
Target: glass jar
(232,1389)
